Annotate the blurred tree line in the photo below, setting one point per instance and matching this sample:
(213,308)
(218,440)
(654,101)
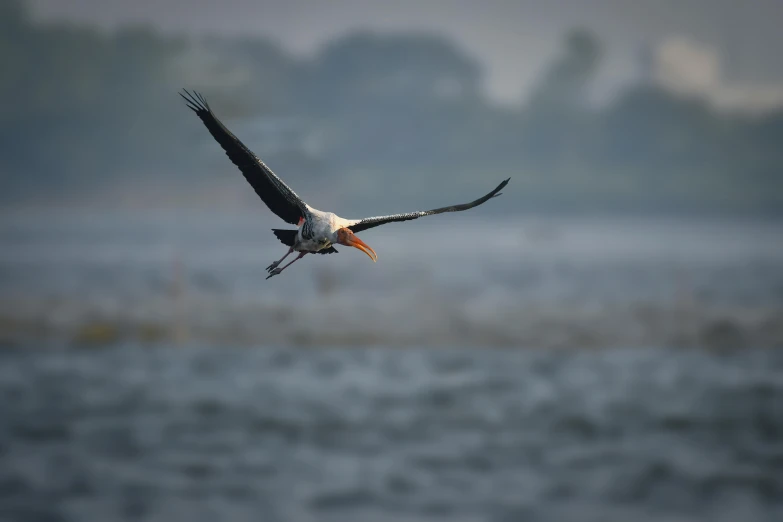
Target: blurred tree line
(83,108)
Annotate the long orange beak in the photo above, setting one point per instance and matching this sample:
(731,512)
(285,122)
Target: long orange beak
(364,247)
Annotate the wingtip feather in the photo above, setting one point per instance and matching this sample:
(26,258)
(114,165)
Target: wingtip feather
(188,102)
(500,187)
(195,101)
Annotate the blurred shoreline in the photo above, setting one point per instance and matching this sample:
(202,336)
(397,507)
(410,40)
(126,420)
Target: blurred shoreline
(264,325)
(562,283)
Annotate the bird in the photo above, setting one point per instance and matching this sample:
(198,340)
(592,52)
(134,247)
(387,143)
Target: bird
(317,231)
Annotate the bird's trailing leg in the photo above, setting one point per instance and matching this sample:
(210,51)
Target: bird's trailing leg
(277,271)
(275,264)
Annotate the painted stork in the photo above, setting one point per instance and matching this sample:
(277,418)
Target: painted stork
(317,231)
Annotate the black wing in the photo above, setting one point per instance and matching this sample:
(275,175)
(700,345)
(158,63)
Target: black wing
(277,195)
(371,222)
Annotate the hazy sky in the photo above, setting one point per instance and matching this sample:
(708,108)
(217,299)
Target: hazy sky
(514,39)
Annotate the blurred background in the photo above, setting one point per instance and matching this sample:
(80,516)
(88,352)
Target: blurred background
(602,342)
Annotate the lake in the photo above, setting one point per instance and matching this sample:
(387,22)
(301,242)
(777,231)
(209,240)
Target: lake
(567,369)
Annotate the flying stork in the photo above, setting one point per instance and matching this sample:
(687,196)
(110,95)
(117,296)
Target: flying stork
(317,231)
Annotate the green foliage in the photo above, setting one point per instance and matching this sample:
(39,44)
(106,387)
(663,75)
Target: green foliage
(83,108)
(75,99)
(566,83)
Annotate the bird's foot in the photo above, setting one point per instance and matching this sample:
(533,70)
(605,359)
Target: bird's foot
(272,266)
(274,272)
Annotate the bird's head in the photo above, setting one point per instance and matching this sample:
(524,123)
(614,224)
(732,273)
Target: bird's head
(346,237)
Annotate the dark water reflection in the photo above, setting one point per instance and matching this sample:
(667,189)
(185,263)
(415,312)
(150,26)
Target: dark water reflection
(382,434)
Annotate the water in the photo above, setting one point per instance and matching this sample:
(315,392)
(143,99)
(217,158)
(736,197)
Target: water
(560,369)
(387,434)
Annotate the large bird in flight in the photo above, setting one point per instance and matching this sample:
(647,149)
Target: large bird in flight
(317,231)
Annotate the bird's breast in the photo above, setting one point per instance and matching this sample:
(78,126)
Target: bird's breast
(314,234)
(312,245)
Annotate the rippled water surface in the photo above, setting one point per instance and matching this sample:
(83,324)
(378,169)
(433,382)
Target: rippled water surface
(193,434)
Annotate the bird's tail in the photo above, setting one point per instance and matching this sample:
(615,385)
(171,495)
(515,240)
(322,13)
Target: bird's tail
(287,237)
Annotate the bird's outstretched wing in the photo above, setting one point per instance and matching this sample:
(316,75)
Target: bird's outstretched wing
(277,195)
(370,222)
